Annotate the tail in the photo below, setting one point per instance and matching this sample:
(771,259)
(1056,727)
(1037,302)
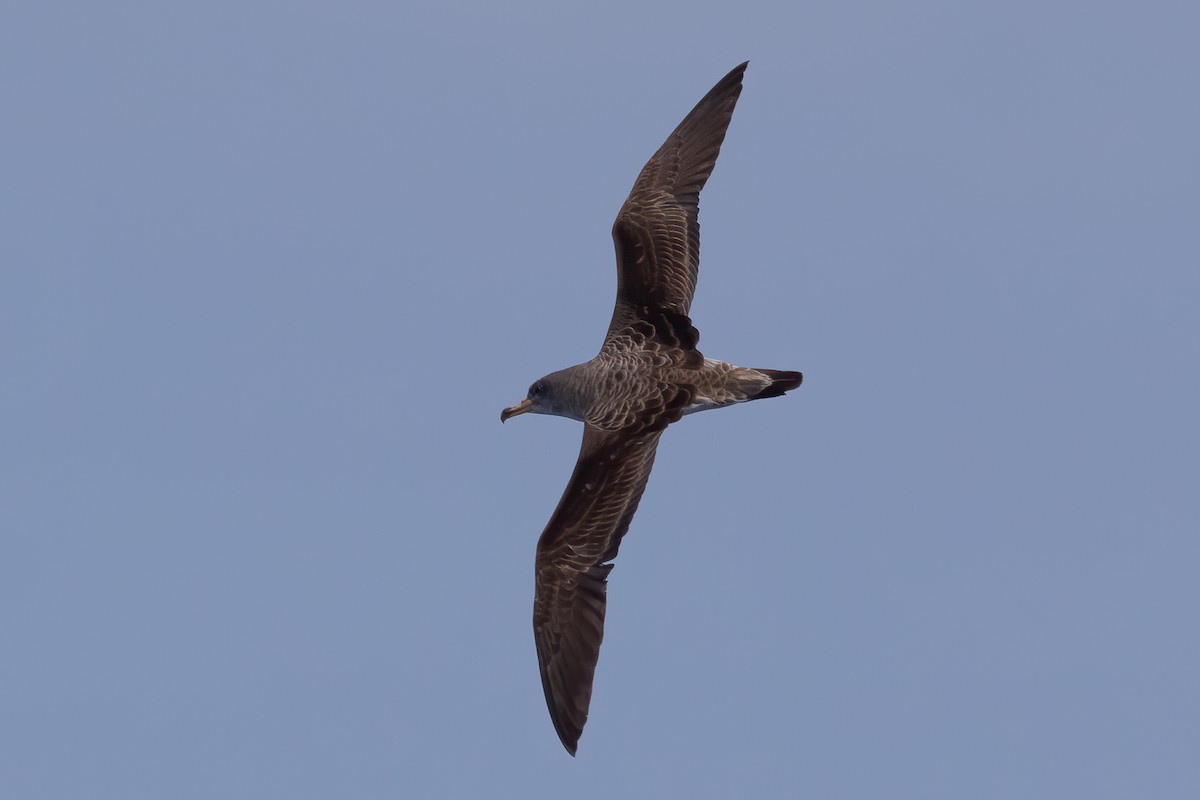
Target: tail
(781,381)
(726,384)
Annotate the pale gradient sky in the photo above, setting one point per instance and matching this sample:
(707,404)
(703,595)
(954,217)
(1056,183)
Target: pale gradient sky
(269,272)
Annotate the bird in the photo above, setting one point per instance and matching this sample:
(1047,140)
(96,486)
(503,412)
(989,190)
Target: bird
(647,375)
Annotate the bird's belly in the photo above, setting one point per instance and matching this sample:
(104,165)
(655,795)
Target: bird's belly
(702,403)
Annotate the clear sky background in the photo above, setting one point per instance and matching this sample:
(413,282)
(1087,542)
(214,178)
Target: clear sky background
(269,272)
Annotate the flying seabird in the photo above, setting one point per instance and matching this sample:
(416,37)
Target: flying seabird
(647,375)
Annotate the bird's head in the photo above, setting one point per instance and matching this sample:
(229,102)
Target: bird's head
(546,395)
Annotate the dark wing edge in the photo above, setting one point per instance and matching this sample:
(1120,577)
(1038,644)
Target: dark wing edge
(657,232)
(571,571)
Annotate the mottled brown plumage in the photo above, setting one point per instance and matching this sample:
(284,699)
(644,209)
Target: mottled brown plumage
(647,375)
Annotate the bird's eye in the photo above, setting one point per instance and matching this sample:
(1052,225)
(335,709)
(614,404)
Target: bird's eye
(537,388)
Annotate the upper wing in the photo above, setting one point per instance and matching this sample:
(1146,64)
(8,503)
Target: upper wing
(657,234)
(582,535)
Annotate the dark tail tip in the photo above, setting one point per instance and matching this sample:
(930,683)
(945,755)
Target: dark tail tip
(782,380)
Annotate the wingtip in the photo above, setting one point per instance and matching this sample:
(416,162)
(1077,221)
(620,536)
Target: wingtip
(568,734)
(570,742)
(736,73)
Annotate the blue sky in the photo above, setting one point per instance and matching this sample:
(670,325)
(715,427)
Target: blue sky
(269,272)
